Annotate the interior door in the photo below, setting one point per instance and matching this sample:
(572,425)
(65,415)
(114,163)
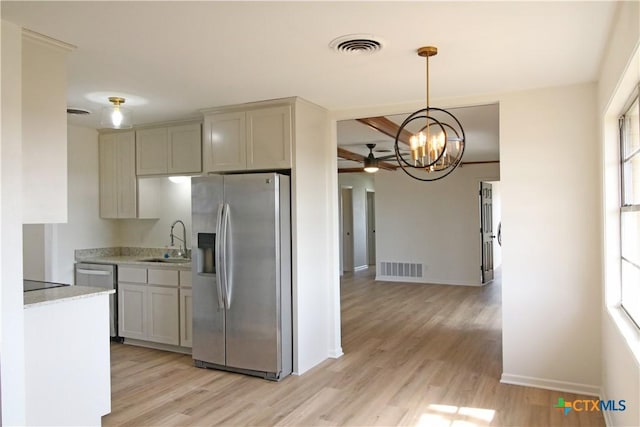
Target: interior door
(486,230)
(347,229)
(252,271)
(371,228)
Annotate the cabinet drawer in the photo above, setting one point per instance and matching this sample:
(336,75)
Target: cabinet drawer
(185,278)
(163,277)
(131,274)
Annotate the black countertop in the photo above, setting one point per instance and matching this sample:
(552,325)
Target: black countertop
(35,285)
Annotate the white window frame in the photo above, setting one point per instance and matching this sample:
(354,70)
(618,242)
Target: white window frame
(625,206)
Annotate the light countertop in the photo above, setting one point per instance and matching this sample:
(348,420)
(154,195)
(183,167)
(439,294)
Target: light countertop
(138,260)
(62,294)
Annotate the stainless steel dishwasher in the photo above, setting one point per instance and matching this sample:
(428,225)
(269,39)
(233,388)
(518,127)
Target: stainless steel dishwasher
(102,276)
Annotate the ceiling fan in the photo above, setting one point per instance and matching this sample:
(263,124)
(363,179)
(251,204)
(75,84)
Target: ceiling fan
(371,162)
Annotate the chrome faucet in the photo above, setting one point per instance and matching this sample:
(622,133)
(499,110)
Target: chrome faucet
(183,240)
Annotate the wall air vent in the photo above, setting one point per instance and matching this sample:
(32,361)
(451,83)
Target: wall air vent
(357,43)
(400,269)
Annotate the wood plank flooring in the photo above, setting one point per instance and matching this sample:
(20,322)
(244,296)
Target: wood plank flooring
(415,355)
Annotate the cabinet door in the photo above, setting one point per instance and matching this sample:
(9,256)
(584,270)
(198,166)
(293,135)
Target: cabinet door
(108,177)
(126,169)
(186,318)
(162,315)
(132,310)
(151,151)
(269,138)
(225,142)
(185,149)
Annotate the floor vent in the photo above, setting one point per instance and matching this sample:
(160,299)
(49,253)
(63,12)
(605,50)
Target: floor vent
(400,269)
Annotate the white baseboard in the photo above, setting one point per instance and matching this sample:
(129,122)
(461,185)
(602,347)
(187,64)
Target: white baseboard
(361,267)
(423,281)
(336,353)
(569,387)
(606,414)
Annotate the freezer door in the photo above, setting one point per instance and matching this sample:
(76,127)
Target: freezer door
(208,313)
(252,272)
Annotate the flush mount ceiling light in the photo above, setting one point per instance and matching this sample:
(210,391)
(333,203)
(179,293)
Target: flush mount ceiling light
(435,138)
(370,162)
(116,116)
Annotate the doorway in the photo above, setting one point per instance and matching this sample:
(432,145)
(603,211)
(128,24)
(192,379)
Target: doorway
(347,229)
(371,227)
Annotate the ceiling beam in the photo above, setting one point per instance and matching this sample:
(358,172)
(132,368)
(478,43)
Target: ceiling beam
(355,157)
(387,127)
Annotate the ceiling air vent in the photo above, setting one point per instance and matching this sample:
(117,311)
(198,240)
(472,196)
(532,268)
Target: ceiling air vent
(78,111)
(356,43)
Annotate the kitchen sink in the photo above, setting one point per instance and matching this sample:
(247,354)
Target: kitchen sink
(167,260)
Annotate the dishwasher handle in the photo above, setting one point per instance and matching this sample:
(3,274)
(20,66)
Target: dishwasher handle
(93,272)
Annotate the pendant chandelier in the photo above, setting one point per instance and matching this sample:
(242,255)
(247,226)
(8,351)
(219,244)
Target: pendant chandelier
(435,138)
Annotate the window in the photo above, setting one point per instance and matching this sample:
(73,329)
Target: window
(630,210)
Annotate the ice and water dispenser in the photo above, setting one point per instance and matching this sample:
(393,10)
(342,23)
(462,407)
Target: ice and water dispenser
(207,253)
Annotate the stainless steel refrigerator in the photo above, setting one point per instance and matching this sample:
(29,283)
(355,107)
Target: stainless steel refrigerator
(241,261)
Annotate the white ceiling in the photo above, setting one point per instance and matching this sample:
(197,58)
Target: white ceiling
(182,56)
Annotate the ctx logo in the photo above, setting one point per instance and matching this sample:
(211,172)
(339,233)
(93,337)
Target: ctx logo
(587,405)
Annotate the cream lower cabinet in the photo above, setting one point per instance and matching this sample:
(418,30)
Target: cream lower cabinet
(148,306)
(152,307)
(162,315)
(132,310)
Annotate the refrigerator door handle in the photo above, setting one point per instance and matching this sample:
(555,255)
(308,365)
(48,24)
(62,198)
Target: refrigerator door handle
(219,279)
(226,241)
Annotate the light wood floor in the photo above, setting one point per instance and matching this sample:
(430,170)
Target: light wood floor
(419,355)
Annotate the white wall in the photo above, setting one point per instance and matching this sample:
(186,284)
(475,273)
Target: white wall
(171,201)
(620,346)
(551,286)
(12,367)
(433,223)
(33,252)
(314,238)
(550,282)
(84,228)
(360,183)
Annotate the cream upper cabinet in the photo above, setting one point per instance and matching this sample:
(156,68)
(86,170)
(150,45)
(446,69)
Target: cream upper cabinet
(44,129)
(185,149)
(253,139)
(151,151)
(269,138)
(225,142)
(118,189)
(169,150)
